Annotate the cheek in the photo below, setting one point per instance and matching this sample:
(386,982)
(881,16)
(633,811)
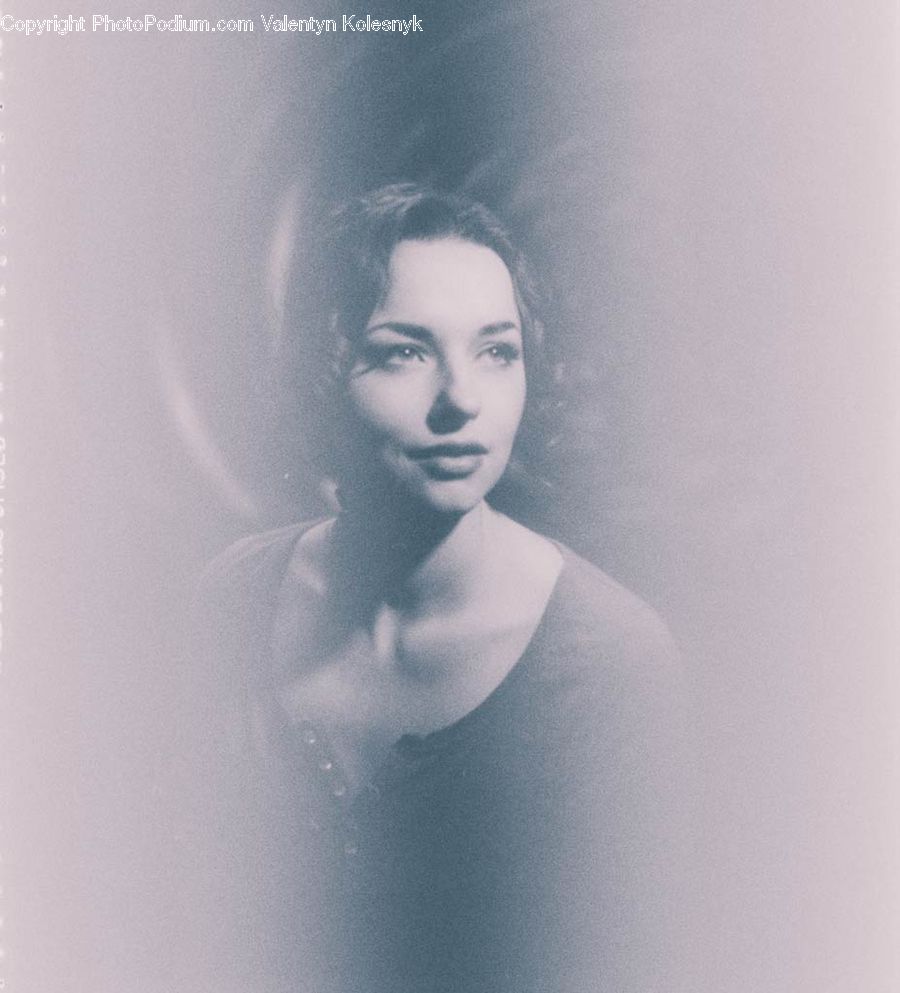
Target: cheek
(509,405)
(387,407)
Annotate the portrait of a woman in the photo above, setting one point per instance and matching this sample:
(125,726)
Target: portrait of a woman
(448,749)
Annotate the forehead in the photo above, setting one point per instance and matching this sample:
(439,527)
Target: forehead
(448,281)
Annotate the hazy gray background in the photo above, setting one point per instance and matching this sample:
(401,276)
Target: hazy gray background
(712,188)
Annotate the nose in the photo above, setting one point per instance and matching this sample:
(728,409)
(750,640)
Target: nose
(458,401)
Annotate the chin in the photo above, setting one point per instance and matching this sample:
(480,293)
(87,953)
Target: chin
(398,485)
(403,481)
(411,493)
(451,497)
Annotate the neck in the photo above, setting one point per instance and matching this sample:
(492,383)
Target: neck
(410,558)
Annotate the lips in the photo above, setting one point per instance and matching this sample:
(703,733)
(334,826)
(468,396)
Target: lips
(446,451)
(448,460)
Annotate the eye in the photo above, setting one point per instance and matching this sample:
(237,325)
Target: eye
(384,356)
(403,353)
(503,352)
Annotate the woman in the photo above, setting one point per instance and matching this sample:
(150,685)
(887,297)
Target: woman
(451,761)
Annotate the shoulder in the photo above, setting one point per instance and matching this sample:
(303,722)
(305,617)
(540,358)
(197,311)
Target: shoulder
(596,626)
(250,564)
(615,683)
(235,596)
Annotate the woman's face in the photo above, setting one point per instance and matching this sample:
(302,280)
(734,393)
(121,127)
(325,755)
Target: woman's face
(437,379)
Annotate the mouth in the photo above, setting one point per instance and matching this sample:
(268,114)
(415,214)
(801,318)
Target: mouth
(446,451)
(449,461)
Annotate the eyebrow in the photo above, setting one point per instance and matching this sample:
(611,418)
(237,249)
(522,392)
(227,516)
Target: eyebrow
(421,333)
